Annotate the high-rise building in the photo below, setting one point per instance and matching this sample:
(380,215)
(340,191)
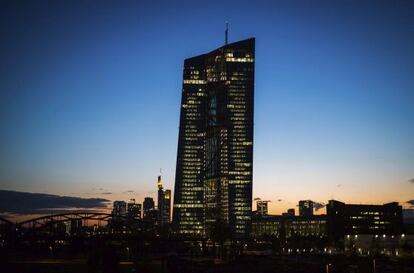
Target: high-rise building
(119,208)
(306,208)
(164,204)
(148,207)
(215,146)
(119,211)
(133,210)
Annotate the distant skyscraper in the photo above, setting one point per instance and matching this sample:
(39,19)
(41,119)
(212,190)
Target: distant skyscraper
(119,208)
(148,207)
(306,208)
(164,204)
(215,146)
(134,210)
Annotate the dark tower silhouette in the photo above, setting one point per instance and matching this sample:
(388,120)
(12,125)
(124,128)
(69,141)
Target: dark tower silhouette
(215,146)
(306,208)
(164,203)
(148,206)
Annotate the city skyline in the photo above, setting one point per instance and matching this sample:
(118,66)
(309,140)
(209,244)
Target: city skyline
(330,123)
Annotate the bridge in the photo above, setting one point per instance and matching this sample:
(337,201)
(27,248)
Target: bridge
(4,221)
(44,221)
(5,225)
(48,222)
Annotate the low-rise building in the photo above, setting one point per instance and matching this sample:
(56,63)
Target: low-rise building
(355,219)
(289,226)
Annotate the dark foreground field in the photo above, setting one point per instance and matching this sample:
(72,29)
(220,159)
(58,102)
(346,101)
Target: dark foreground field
(174,264)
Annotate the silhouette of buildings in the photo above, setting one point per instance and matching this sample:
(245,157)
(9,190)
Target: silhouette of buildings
(305,208)
(215,146)
(344,225)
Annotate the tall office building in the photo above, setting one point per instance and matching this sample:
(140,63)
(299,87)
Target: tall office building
(119,208)
(148,207)
(215,146)
(164,204)
(119,211)
(133,210)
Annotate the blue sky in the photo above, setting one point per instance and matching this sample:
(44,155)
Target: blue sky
(90,93)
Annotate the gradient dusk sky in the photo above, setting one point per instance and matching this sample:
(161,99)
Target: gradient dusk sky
(90,95)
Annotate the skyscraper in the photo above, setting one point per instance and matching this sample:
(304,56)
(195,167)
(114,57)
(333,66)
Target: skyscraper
(164,204)
(148,206)
(215,146)
(133,210)
(119,211)
(119,208)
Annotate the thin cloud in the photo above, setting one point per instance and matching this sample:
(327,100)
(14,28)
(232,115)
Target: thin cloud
(32,203)
(106,192)
(317,206)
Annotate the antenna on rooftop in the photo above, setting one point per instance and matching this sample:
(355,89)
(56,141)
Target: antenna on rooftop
(226,34)
(159,182)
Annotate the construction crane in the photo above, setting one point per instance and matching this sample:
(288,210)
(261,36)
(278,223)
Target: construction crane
(261,206)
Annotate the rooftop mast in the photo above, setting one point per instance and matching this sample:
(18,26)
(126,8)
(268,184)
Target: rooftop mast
(226,34)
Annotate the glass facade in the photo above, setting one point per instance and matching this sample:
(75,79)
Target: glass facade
(133,210)
(119,208)
(289,226)
(164,204)
(215,146)
(354,219)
